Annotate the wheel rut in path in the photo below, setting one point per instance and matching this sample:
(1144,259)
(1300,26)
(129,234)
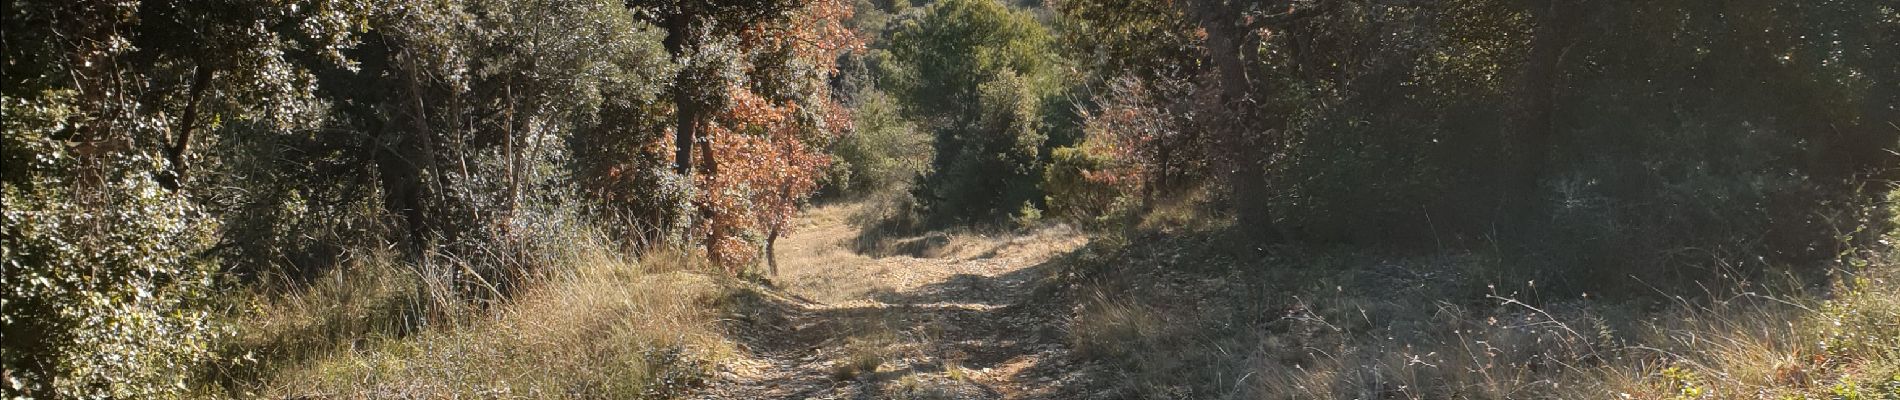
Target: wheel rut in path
(937,316)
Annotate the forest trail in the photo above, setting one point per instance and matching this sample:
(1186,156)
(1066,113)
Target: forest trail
(946,315)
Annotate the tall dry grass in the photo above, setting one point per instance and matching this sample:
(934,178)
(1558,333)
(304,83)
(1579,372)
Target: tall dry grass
(1353,326)
(589,323)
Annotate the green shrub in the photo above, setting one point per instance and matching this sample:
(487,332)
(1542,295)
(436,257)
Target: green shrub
(103,293)
(884,152)
(977,74)
(1074,196)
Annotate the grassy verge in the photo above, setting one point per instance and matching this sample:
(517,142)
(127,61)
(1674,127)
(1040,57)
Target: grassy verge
(1179,317)
(596,326)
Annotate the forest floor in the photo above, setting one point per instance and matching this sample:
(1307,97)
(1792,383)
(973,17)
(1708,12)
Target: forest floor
(939,315)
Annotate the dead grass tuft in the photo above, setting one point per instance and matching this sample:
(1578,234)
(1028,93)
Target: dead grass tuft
(862,356)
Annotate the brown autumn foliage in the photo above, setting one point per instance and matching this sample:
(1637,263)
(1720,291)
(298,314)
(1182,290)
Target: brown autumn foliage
(766,150)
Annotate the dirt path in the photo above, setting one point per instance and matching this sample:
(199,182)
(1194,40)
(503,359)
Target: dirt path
(940,316)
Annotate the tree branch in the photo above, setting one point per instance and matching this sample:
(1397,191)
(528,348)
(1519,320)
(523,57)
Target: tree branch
(175,153)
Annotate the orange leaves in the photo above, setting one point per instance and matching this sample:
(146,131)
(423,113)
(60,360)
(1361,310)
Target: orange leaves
(764,152)
(765,170)
(817,33)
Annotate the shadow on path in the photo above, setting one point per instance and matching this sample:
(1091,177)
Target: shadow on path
(968,336)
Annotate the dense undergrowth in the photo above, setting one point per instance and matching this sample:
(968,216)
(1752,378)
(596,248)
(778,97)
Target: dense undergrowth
(1176,310)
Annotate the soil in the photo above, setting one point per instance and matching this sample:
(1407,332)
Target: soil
(948,315)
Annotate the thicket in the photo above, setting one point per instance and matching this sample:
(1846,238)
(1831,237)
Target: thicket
(885,152)
(1587,141)
(161,156)
(1485,199)
(982,77)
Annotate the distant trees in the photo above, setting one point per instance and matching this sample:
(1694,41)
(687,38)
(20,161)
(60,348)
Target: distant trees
(1146,135)
(979,75)
(1140,143)
(884,152)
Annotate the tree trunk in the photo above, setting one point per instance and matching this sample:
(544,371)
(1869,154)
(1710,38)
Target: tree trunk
(771,253)
(516,163)
(402,160)
(181,145)
(687,111)
(685,126)
(1226,37)
(1535,125)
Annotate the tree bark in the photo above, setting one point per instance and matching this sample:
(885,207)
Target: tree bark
(685,129)
(1228,40)
(181,145)
(687,111)
(771,253)
(1535,125)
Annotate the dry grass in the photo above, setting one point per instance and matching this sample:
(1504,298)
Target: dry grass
(605,327)
(863,355)
(369,297)
(1344,325)
(837,254)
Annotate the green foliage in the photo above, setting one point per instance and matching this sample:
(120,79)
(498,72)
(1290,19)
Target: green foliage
(978,74)
(1683,384)
(99,261)
(1074,196)
(452,129)
(1595,141)
(1150,39)
(1850,389)
(109,227)
(941,57)
(884,151)
(151,146)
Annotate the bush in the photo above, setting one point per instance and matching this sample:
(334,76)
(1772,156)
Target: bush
(884,151)
(1139,144)
(1075,191)
(977,74)
(98,261)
